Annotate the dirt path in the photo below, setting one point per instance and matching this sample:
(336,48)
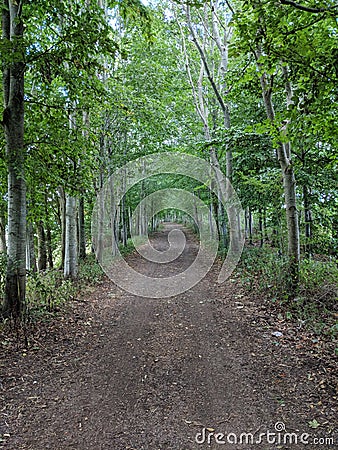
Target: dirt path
(123,372)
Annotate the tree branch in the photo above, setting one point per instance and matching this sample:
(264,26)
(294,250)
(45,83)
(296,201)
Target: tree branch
(307,8)
(230,7)
(187,66)
(205,63)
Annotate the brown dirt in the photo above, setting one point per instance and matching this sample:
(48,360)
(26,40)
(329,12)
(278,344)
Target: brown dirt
(122,372)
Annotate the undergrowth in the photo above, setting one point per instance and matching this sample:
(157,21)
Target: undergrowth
(47,292)
(314,305)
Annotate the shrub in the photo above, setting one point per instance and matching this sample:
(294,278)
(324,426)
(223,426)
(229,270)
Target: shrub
(315,303)
(90,271)
(46,291)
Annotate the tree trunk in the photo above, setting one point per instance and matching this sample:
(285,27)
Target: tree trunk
(113,218)
(48,236)
(123,211)
(42,247)
(30,249)
(71,262)
(49,247)
(260,226)
(3,244)
(99,244)
(211,216)
(13,123)
(289,184)
(219,91)
(81,228)
(250,227)
(62,210)
(123,222)
(308,222)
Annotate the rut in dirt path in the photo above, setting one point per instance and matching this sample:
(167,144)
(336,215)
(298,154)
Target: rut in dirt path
(155,373)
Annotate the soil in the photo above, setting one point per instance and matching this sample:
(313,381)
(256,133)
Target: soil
(116,371)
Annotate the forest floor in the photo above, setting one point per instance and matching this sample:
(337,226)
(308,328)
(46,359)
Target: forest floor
(119,372)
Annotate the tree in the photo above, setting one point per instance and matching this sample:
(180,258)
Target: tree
(54,58)
(13,124)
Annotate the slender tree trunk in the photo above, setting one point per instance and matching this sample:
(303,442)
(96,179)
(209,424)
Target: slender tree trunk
(123,210)
(42,247)
(100,227)
(13,123)
(123,222)
(49,246)
(48,235)
(3,244)
(30,249)
(224,185)
(308,221)
(260,226)
(250,227)
(113,218)
(222,222)
(289,184)
(81,228)
(211,216)
(62,210)
(71,263)
(81,225)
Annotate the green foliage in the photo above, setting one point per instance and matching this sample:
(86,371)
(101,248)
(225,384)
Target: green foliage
(47,291)
(265,270)
(90,272)
(129,248)
(123,67)
(315,304)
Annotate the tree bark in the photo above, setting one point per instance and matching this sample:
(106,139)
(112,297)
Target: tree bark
(308,221)
(3,244)
(62,211)
(219,91)
(82,233)
(71,261)
(289,183)
(13,123)
(113,218)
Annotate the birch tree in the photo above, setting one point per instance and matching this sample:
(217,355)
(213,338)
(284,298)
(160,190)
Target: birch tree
(210,26)
(13,124)
(71,252)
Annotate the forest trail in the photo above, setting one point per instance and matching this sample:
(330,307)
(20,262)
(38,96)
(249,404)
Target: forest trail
(124,372)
